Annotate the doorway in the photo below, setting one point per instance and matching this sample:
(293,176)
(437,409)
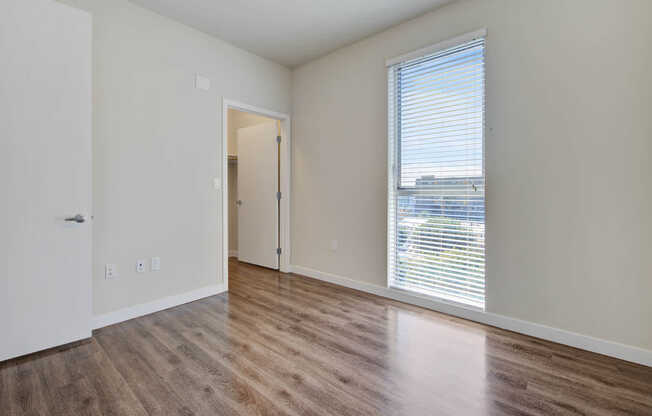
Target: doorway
(255,187)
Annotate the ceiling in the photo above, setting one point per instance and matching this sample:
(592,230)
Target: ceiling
(291,32)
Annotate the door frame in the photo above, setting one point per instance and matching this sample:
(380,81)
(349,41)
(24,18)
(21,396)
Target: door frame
(284,182)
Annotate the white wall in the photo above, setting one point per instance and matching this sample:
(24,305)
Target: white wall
(568,145)
(157,145)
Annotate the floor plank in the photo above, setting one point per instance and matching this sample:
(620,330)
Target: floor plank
(280,344)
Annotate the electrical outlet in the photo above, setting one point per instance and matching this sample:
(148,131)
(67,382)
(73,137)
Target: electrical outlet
(110,271)
(156,264)
(140,266)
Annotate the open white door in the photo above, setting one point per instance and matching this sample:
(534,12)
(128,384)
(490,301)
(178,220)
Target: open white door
(45,175)
(257,188)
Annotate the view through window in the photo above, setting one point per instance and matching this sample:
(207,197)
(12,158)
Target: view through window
(437,181)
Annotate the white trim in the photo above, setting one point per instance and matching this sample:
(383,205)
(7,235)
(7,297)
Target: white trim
(286,169)
(560,336)
(121,315)
(286,188)
(236,105)
(225,195)
(86,334)
(233,253)
(440,46)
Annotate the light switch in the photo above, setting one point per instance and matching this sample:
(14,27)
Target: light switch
(110,271)
(217,184)
(202,83)
(156,264)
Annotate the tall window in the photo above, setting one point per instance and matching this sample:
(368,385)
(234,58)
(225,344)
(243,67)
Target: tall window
(436,178)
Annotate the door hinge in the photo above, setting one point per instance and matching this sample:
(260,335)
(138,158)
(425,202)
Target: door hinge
(279,195)
(278,251)
(278,139)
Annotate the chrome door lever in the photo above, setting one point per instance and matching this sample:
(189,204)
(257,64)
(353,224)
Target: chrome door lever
(77,218)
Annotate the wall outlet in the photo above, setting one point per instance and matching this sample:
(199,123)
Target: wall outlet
(156,264)
(110,271)
(140,266)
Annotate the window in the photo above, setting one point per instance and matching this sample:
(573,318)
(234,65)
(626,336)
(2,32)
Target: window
(436,172)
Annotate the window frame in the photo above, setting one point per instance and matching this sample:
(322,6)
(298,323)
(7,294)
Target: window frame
(394,159)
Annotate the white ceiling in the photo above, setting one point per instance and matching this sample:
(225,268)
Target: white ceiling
(291,32)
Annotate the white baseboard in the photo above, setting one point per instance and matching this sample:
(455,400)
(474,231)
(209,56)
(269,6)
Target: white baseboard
(8,355)
(233,253)
(585,342)
(121,315)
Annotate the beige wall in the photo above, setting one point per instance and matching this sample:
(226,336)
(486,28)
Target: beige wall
(237,120)
(568,145)
(156,148)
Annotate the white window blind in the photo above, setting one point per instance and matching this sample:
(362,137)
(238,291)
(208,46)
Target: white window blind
(436,178)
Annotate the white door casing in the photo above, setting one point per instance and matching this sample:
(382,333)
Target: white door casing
(257,188)
(46,175)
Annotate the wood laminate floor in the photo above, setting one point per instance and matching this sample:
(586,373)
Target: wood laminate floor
(287,345)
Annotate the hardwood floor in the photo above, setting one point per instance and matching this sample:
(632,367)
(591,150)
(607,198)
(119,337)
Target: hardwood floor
(288,345)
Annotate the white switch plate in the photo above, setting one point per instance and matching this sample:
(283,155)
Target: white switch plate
(202,83)
(334,245)
(217,184)
(110,271)
(140,266)
(156,264)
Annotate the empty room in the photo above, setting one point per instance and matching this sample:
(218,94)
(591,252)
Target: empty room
(360,207)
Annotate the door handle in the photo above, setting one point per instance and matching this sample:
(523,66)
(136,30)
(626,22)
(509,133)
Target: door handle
(77,218)
(238,202)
